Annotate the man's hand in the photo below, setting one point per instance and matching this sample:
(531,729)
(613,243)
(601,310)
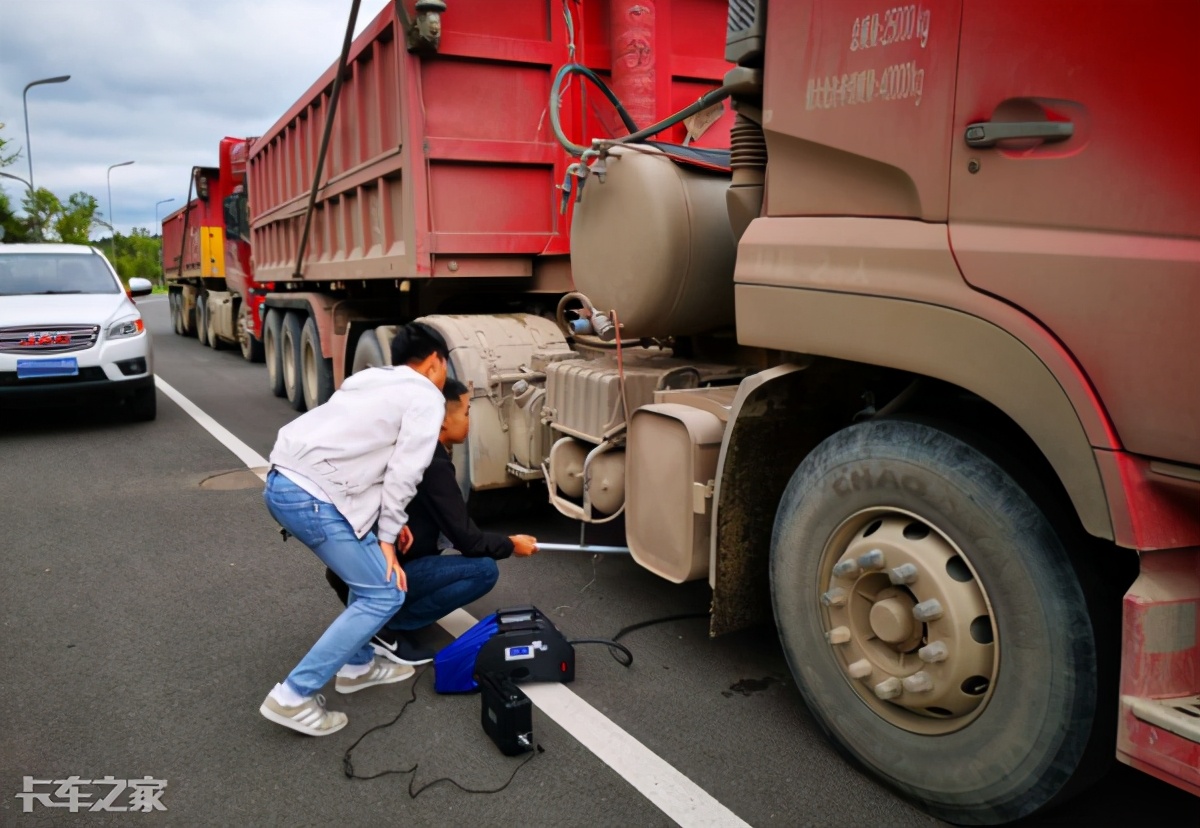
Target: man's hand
(389,555)
(523,545)
(405,539)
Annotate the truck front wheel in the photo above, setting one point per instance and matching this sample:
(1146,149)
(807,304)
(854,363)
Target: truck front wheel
(934,622)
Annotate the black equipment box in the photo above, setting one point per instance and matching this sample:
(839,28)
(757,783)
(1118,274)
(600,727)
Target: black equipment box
(506,714)
(526,647)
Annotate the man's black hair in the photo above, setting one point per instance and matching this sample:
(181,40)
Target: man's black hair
(453,390)
(415,341)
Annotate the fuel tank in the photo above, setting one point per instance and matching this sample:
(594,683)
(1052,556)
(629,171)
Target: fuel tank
(651,240)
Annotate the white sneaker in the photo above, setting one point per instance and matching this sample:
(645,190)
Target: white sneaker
(310,718)
(382,672)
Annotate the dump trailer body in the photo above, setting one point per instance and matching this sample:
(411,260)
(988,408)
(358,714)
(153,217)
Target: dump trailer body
(445,165)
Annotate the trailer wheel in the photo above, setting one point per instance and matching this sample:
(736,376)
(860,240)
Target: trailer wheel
(272,352)
(316,371)
(252,346)
(202,319)
(289,355)
(176,314)
(934,622)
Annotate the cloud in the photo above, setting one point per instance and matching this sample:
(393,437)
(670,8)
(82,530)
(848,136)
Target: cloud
(159,82)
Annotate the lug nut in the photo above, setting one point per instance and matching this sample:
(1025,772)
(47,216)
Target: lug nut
(838,635)
(920,682)
(927,611)
(845,569)
(903,574)
(859,669)
(934,652)
(889,689)
(872,560)
(836,597)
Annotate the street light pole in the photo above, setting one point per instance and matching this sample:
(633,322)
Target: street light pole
(113,238)
(162,279)
(28,151)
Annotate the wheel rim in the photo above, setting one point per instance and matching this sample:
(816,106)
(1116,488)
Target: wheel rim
(909,621)
(289,367)
(309,361)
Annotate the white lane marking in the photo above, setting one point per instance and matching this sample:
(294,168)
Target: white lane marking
(653,777)
(225,437)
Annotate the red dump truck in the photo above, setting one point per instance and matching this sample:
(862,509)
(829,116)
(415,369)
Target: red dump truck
(206,258)
(909,368)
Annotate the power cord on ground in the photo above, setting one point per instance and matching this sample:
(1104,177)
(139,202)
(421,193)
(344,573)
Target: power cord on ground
(348,764)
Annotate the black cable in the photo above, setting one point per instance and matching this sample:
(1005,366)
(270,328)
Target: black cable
(348,765)
(640,624)
(613,646)
(555,122)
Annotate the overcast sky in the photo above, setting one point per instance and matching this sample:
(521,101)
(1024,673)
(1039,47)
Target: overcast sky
(158,82)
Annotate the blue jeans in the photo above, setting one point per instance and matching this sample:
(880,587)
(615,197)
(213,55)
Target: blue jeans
(440,584)
(358,562)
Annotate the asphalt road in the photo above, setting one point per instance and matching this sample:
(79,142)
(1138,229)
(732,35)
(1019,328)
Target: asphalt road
(147,605)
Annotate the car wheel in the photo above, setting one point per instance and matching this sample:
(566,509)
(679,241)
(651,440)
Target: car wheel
(252,346)
(316,371)
(934,622)
(272,352)
(202,319)
(142,407)
(289,356)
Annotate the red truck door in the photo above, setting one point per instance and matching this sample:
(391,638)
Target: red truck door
(1091,223)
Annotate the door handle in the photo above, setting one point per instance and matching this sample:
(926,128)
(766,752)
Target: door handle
(986,134)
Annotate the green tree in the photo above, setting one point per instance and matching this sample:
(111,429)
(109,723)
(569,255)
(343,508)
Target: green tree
(12,228)
(74,222)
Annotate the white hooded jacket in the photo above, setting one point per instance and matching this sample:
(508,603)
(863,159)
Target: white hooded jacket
(368,446)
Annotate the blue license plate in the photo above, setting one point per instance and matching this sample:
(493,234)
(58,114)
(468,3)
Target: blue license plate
(64,367)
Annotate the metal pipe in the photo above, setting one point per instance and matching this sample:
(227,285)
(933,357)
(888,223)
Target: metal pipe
(582,547)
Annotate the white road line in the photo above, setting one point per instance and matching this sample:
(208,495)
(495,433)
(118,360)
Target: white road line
(225,437)
(653,777)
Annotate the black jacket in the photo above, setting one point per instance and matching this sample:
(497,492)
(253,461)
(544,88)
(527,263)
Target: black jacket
(438,508)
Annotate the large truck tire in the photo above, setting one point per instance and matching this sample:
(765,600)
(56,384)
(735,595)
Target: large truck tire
(214,341)
(202,319)
(176,314)
(316,371)
(251,346)
(934,622)
(289,355)
(272,350)
(368,353)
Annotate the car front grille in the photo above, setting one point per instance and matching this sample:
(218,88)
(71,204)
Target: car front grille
(48,339)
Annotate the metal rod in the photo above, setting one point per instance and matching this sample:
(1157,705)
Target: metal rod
(333,102)
(582,547)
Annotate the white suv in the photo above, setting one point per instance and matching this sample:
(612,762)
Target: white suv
(68,329)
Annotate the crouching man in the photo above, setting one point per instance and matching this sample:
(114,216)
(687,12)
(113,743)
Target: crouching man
(437,517)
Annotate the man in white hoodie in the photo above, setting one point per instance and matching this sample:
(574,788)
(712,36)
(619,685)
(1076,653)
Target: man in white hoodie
(341,478)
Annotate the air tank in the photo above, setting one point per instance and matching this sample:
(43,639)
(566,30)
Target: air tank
(652,241)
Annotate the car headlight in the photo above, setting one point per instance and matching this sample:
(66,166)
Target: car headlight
(126,328)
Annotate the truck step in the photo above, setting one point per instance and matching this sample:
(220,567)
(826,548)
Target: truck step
(1180,715)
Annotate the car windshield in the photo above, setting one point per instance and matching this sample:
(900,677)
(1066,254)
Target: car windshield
(33,274)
